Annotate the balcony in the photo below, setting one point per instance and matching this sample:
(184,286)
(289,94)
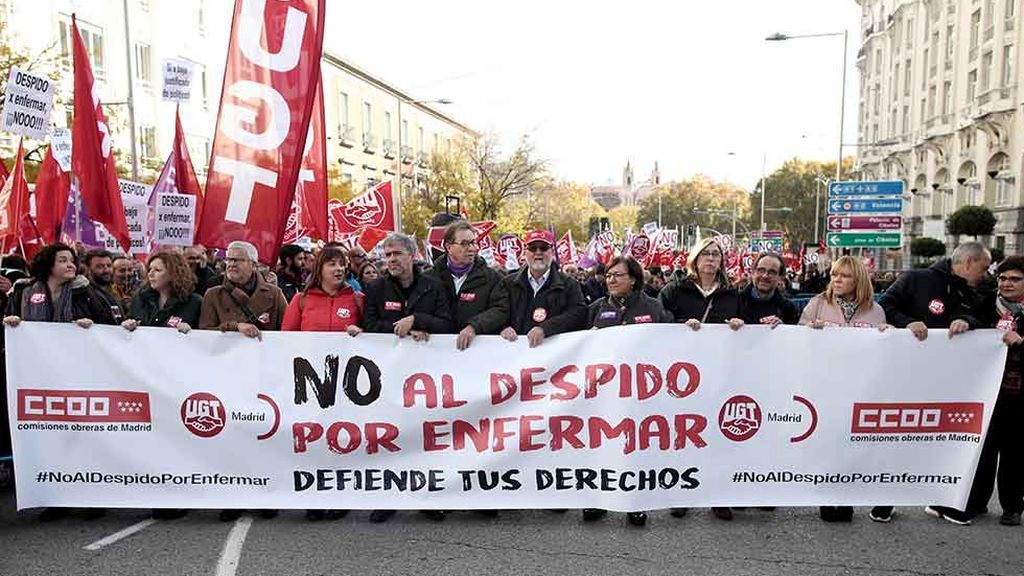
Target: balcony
(990,32)
(345,135)
(985,97)
(369,143)
(973,54)
(406,154)
(424,158)
(389,149)
(1006,93)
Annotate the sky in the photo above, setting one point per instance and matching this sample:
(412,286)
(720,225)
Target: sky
(690,84)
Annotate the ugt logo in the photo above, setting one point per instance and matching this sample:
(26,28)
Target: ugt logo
(739,418)
(203,414)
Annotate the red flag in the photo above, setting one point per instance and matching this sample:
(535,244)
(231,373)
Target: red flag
(14,201)
(374,208)
(270,80)
(566,250)
(53,187)
(312,189)
(370,237)
(4,174)
(92,154)
(184,173)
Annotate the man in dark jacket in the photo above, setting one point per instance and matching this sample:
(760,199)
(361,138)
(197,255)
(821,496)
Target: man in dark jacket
(468,284)
(99,269)
(406,302)
(595,287)
(289,270)
(206,276)
(540,301)
(943,296)
(761,302)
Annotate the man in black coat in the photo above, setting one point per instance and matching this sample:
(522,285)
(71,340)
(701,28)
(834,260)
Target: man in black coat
(406,302)
(761,302)
(540,301)
(468,284)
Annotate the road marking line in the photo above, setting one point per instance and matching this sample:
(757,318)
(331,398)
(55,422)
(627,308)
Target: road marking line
(104,542)
(232,552)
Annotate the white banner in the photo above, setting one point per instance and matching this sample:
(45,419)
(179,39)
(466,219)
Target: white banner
(28,99)
(628,418)
(175,219)
(60,145)
(177,80)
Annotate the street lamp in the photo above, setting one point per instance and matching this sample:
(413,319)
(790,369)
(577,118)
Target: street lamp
(398,153)
(779,37)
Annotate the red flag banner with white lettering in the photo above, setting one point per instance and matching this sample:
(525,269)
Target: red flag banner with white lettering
(566,249)
(266,104)
(374,208)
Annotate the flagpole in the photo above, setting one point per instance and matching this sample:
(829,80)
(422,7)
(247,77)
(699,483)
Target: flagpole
(78,209)
(131,97)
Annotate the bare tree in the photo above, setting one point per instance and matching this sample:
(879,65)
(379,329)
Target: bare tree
(501,178)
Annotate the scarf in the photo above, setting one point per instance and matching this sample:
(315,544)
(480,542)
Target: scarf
(37,304)
(1005,307)
(459,271)
(849,308)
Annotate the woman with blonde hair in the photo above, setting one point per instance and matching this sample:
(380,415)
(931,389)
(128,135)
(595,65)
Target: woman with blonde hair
(848,301)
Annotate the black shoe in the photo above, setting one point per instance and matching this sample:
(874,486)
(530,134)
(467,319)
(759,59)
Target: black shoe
(378,516)
(1010,519)
(881,514)
(315,515)
(336,514)
(169,513)
(91,514)
(637,518)
(836,513)
(766,508)
(435,515)
(722,513)
(558,510)
(268,514)
(950,515)
(591,514)
(230,515)
(51,514)
(678,512)
(488,513)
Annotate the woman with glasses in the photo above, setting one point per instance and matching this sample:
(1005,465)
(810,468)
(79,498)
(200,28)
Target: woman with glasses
(702,294)
(625,303)
(847,302)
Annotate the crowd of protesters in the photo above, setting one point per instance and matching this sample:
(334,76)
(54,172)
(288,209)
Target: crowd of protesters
(343,290)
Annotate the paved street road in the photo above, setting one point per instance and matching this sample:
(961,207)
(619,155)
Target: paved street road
(791,542)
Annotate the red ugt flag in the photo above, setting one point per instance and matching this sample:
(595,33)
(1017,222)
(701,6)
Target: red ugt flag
(270,81)
(92,154)
(375,208)
(53,186)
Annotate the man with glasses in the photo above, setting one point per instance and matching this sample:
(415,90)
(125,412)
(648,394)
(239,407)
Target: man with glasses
(468,284)
(206,276)
(762,302)
(356,259)
(540,301)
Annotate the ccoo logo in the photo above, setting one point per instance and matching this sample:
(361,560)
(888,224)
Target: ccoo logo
(203,414)
(740,418)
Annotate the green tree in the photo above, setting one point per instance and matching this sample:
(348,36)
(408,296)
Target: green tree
(699,201)
(927,248)
(971,221)
(792,187)
(622,217)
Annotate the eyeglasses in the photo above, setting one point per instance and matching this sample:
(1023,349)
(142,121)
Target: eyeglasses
(235,260)
(766,271)
(1011,279)
(466,243)
(615,275)
(538,247)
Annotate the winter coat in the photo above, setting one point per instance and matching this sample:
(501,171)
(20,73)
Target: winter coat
(1014,368)
(684,300)
(474,303)
(832,314)
(753,309)
(85,301)
(635,308)
(289,285)
(386,304)
(557,308)
(936,297)
(222,312)
(146,309)
(594,290)
(317,311)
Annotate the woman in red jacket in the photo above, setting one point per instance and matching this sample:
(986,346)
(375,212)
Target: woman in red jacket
(327,304)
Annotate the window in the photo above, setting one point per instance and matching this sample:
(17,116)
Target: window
(405,132)
(878,61)
(367,118)
(892,122)
(421,139)
(894,82)
(990,10)
(947,97)
(1004,187)
(908,77)
(1011,9)
(387,125)
(143,64)
(975,28)
(201,16)
(878,101)
(972,85)
(931,101)
(986,70)
(924,65)
(906,119)
(343,124)
(924,104)
(200,79)
(910,32)
(147,142)
(1007,76)
(92,37)
(949,42)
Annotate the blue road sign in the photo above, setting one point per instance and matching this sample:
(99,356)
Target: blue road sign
(882,188)
(859,206)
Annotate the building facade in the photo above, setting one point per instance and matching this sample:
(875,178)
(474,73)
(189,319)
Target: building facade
(361,111)
(940,109)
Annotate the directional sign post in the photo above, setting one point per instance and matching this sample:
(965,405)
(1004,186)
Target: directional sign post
(868,206)
(849,223)
(865,240)
(883,188)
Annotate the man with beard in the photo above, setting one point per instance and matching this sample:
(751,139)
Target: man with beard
(99,269)
(125,281)
(540,301)
(290,277)
(762,301)
(206,277)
